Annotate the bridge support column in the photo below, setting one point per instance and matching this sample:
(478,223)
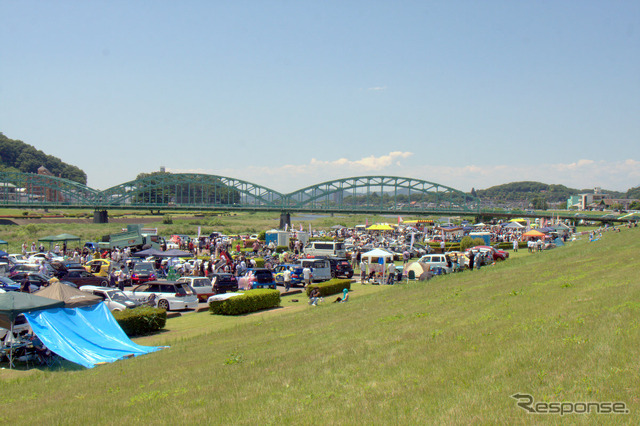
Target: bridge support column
(100,216)
(285,220)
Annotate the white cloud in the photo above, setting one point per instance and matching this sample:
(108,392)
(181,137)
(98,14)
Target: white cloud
(377,88)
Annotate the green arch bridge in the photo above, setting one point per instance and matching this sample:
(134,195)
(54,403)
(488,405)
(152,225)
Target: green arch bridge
(187,191)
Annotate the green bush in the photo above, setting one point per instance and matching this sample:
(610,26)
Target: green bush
(466,243)
(282,249)
(259,262)
(250,301)
(167,220)
(262,235)
(333,286)
(141,320)
(508,245)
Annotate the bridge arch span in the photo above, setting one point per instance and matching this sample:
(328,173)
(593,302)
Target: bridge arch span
(189,189)
(31,189)
(382,193)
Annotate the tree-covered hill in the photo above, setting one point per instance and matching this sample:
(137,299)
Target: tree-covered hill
(522,191)
(633,193)
(18,156)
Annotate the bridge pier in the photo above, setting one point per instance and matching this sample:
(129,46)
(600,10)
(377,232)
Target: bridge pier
(100,216)
(285,220)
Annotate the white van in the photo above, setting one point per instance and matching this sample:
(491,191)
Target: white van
(438,261)
(320,268)
(326,248)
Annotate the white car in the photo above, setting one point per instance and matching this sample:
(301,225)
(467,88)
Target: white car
(18,258)
(438,261)
(43,256)
(115,299)
(168,295)
(202,285)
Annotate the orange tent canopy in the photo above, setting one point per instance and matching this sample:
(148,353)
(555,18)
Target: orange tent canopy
(533,233)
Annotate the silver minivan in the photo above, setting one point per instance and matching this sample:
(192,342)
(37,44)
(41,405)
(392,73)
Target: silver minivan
(320,268)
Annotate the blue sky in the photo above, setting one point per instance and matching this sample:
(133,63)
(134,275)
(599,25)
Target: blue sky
(291,93)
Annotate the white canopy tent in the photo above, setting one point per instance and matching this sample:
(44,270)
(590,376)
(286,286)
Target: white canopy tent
(379,254)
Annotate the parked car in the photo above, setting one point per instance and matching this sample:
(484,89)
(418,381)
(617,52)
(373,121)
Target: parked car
(441,261)
(18,258)
(7,284)
(99,267)
(115,299)
(320,268)
(81,278)
(223,282)
(143,272)
(257,278)
(496,254)
(202,286)
(34,267)
(35,279)
(296,274)
(43,256)
(341,268)
(61,268)
(168,295)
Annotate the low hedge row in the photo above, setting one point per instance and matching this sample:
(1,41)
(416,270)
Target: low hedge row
(250,301)
(333,286)
(509,246)
(141,320)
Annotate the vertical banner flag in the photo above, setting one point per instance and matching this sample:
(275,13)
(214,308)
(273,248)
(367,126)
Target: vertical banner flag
(199,230)
(286,226)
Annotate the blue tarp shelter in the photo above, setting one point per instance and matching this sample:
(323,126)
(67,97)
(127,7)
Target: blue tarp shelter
(87,335)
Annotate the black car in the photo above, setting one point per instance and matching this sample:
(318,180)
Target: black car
(36,280)
(62,268)
(223,282)
(340,268)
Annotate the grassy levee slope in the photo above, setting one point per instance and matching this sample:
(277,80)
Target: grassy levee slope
(562,325)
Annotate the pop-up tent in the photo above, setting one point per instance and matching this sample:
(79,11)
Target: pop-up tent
(15,303)
(72,297)
(533,234)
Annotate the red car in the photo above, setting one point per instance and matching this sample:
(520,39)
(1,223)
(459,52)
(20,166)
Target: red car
(496,253)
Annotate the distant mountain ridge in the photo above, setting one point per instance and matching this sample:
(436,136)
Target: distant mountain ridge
(17,156)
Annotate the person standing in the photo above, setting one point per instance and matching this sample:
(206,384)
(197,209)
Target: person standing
(392,273)
(122,277)
(471,259)
(306,274)
(363,271)
(287,279)
(515,244)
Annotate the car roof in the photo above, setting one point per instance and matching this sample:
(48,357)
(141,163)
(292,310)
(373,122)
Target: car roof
(97,287)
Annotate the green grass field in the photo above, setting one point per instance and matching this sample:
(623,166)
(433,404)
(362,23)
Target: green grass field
(562,325)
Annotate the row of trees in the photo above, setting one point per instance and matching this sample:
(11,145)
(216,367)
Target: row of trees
(162,189)
(17,156)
